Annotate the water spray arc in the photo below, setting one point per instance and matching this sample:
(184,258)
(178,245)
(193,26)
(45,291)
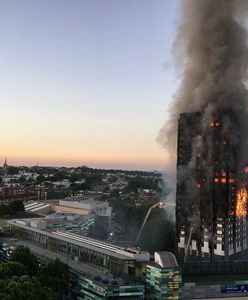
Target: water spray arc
(188,243)
(159,204)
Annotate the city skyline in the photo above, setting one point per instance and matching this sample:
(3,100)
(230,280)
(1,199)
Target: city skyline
(87,82)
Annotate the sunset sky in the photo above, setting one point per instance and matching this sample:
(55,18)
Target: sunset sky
(86,82)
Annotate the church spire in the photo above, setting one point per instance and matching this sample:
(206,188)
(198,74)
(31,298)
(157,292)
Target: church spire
(5,168)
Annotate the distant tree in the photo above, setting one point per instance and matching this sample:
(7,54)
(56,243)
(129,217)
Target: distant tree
(60,175)
(12,170)
(11,209)
(94,179)
(40,179)
(48,184)
(31,180)
(24,288)
(22,179)
(141,183)
(55,194)
(54,275)
(115,194)
(16,206)
(76,176)
(119,207)
(113,179)
(4,210)
(24,256)
(12,268)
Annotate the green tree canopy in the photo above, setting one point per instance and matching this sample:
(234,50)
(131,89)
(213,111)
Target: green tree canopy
(141,183)
(54,275)
(10,269)
(13,170)
(40,179)
(60,175)
(24,288)
(94,179)
(24,256)
(16,206)
(11,209)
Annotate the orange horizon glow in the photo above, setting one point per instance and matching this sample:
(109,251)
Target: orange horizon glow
(107,160)
(69,102)
(111,153)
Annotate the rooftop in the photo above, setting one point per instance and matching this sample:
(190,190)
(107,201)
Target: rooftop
(85,242)
(168,260)
(81,198)
(78,267)
(35,206)
(165,260)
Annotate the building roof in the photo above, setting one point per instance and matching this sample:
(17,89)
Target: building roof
(80,198)
(35,206)
(88,243)
(79,267)
(165,259)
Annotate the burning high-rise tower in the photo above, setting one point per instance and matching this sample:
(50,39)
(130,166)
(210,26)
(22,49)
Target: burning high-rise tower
(211,105)
(211,204)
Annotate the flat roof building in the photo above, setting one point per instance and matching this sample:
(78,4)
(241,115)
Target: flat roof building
(116,260)
(100,270)
(86,282)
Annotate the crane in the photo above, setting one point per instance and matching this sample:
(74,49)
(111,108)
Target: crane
(160,204)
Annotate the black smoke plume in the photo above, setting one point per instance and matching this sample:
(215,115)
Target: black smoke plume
(211,50)
(212,54)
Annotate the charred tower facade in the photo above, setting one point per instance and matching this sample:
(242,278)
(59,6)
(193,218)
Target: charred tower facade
(211,201)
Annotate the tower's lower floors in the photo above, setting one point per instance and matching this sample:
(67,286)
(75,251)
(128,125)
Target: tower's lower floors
(225,239)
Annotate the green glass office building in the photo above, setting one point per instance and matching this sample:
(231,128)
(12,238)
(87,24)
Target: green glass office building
(97,289)
(163,278)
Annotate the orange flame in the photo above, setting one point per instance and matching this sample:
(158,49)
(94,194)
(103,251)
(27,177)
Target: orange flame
(241,210)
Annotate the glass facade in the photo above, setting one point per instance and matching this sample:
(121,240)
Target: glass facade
(86,288)
(118,267)
(163,283)
(159,281)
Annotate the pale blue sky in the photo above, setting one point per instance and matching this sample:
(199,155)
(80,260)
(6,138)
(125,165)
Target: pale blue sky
(85,81)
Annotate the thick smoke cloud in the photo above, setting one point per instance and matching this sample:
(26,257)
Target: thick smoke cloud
(211,48)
